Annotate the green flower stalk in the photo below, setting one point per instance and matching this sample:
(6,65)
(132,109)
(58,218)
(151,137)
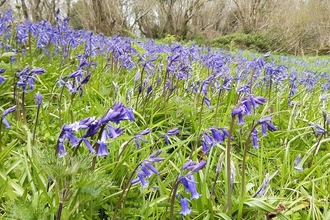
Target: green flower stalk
(38,98)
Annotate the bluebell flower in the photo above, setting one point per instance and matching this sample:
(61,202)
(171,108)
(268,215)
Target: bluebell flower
(189,165)
(88,145)
(5,113)
(245,106)
(38,98)
(190,185)
(185,210)
(118,112)
(138,137)
(255,138)
(93,128)
(26,77)
(207,101)
(2,78)
(266,125)
(262,188)
(171,132)
(141,177)
(61,150)
(296,162)
(147,168)
(103,144)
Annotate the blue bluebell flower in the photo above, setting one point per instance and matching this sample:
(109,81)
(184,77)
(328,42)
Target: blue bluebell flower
(138,137)
(118,112)
(5,113)
(262,188)
(296,163)
(103,144)
(266,125)
(61,150)
(190,185)
(146,168)
(171,132)
(26,77)
(255,138)
(2,78)
(185,210)
(38,98)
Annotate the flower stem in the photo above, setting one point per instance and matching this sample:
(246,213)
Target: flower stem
(60,107)
(23,107)
(175,188)
(246,146)
(35,126)
(228,206)
(123,192)
(0,135)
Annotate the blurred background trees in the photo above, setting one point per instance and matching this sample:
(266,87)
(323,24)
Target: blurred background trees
(296,26)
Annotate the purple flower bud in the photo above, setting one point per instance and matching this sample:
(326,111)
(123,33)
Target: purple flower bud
(296,163)
(264,129)
(236,112)
(173,132)
(156,154)
(9,110)
(260,100)
(2,79)
(38,98)
(38,70)
(199,166)
(271,127)
(207,101)
(188,165)
(266,119)
(73,140)
(247,107)
(137,143)
(6,123)
(192,187)
(262,189)
(217,135)
(240,119)
(145,132)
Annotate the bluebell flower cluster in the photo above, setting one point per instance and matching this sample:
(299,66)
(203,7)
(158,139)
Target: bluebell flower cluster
(211,137)
(317,129)
(147,169)
(189,183)
(27,77)
(246,105)
(171,132)
(75,81)
(266,125)
(117,113)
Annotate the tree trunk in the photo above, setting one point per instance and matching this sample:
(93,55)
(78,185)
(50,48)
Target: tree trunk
(25,10)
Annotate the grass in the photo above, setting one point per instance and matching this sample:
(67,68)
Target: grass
(165,86)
